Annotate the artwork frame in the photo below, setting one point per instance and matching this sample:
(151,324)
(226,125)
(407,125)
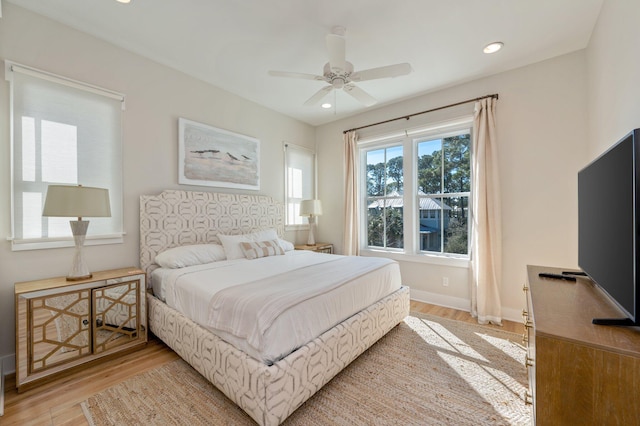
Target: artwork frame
(210,156)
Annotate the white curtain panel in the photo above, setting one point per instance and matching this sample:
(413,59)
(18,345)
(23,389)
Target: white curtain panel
(351,239)
(486,235)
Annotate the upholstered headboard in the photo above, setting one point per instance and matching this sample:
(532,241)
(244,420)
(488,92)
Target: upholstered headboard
(176,218)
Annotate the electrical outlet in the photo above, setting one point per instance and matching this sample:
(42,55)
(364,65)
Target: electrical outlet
(445,281)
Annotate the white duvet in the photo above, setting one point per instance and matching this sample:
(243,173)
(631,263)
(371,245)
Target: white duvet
(269,307)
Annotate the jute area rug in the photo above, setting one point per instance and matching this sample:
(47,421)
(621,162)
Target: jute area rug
(426,371)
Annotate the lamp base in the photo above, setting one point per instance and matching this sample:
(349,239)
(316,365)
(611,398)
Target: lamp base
(85,277)
(79,270)
(311,241)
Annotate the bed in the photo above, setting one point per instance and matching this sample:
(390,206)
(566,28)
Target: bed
(268,389)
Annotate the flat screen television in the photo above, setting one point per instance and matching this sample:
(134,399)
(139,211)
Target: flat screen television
(608,243)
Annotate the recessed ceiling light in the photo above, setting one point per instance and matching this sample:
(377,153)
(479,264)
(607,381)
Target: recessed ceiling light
(123,1)
(493,47)
(326,105)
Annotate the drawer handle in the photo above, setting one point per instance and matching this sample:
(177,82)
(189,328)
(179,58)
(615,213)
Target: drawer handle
(525,288)
(528,324)
(528,362)
(525,314)
(525,338)
(528,398)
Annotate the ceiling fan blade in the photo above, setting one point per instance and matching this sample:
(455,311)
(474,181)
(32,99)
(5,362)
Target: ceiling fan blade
(337,52)
(296,75)
(382,72)
(359,94)
(318,96)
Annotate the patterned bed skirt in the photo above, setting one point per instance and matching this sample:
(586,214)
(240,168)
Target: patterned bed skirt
(269,394)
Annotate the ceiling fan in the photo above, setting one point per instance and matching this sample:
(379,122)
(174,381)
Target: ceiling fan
(339,73)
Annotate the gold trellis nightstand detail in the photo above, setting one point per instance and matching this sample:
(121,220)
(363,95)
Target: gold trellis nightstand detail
(63,325)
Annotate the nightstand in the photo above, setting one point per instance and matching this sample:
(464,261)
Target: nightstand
(318,247)
(63,325)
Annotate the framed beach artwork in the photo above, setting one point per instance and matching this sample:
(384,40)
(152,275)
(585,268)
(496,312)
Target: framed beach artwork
(215,157)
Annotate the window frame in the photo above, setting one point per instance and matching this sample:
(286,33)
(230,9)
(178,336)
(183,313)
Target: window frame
(409,140)
(46,242)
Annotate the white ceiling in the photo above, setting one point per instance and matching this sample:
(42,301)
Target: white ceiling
(233,43)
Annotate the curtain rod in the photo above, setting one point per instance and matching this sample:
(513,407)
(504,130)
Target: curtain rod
(406,117)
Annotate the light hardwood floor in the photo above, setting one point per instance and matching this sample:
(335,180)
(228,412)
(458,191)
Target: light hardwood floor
(58,403)
(455,314)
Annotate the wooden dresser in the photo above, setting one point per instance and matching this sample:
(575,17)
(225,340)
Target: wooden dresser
(579,373)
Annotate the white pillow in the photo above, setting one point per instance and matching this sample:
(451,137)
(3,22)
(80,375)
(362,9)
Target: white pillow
(255,249)
(231,243)
(286,245)
(197,254)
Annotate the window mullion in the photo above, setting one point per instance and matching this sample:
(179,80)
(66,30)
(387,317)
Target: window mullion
(442,230)
(386,202)
(410,220)
(38,182)
(38,150)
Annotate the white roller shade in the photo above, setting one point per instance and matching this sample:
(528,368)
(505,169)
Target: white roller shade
(64,132)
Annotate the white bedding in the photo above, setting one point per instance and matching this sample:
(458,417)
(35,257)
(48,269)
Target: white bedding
(191,291)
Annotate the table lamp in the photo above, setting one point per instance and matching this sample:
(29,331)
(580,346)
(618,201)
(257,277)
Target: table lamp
(77,201)
(311,209)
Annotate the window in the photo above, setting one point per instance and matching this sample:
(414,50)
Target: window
(384,197)
(63,132)
(444,185)
(300,178)
(417,190)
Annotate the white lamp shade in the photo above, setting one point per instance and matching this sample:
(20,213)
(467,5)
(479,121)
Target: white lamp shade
(76,201)
(310,208)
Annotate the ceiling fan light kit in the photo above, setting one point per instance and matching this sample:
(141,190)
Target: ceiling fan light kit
(339,72)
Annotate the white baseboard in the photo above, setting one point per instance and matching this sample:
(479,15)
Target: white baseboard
(8,364)
(459,303)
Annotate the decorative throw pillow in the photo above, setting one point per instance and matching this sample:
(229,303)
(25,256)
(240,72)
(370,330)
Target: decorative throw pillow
(231,243)
(256,249)
(197,254)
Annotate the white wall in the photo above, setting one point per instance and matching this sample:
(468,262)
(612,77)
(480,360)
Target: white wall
(155,97)
(613,64)
(541,118)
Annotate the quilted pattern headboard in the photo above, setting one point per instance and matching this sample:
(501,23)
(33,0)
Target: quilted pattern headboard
(176,218)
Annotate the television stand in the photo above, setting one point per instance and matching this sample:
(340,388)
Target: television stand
(579,373)
(613,321)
